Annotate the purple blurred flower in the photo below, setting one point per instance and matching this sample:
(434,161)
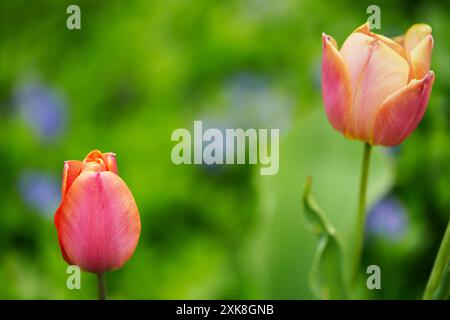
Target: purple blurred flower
(40,191)
(43,108)
(387,219)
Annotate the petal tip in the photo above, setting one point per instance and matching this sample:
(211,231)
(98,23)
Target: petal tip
(327,40)
(364,28)
(429,78)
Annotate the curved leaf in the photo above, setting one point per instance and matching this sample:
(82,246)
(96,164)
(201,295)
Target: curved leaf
(328,277)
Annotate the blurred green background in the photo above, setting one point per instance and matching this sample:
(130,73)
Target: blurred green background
(136,71)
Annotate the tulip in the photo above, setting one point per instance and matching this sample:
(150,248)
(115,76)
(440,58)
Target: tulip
(376,89)
(97,221)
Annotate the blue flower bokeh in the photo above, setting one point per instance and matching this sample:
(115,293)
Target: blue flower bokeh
(42,108)
(40,191)
(387,219)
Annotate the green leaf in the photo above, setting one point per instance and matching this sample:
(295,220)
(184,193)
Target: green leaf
(328,278)
(443,291)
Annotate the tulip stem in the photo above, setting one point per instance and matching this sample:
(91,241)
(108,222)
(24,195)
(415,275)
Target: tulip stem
(441,263)
(101,286)
(361,218)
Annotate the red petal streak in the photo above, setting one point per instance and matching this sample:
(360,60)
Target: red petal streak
(57,224)
(336,88)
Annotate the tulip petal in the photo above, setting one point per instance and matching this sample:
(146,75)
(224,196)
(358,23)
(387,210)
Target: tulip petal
(400,114)
(111,163)
(72,170)
(95,161)
(421,57)
(415,34)
(365,29)
(376,71)
(94,156)
(57,225)
(393,44)
(98,222)
(335,86)
(400,40)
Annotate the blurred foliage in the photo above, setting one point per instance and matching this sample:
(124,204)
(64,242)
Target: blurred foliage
(138,70)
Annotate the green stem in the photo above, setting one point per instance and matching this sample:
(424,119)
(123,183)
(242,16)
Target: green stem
(101,286)
(361,219)
(440,264)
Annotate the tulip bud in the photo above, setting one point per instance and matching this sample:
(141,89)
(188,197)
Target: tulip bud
(97,221)
(376,89)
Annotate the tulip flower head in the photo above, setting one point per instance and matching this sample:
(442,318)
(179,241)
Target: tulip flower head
(97,221)
(376,89)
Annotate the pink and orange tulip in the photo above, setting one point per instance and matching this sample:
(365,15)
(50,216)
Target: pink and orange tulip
(376,89)
(97,221)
